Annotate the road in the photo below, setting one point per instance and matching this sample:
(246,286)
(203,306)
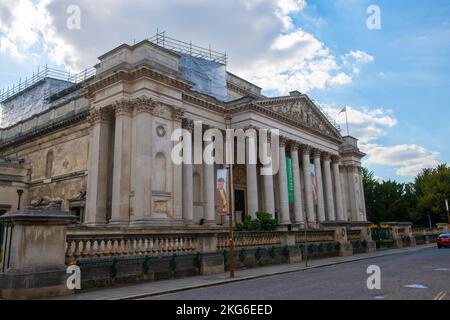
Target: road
(429,268)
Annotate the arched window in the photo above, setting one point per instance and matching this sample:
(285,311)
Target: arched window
(159,177)
(49,165)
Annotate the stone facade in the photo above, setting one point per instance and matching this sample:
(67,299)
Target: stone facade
(105,153)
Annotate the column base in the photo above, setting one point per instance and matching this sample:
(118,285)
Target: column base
(118,223)
(150,222)
(190,223)
(178,223)
(210,223)
(95,224)
(285,227)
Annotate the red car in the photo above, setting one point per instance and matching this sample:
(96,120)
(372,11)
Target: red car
(443,240)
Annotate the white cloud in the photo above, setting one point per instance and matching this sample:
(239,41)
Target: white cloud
(409,159)
(355,59)
(259,35)
(369,125)
(298,60)
(365,123)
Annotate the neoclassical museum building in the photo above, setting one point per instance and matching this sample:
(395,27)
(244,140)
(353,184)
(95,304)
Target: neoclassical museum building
(99,144)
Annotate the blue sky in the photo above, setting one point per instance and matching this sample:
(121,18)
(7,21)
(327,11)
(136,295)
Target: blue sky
(394,81)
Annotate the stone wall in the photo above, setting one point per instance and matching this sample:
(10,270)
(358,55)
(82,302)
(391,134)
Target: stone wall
(56,164)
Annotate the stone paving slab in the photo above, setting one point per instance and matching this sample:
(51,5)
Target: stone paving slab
(148,289)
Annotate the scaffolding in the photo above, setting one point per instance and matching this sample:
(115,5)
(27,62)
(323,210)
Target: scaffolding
(39,93)
(41,74)
(187,48)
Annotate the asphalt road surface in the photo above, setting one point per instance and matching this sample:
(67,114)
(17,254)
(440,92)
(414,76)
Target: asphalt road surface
(426,271)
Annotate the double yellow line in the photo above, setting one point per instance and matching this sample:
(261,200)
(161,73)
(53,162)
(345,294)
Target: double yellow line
(440,295)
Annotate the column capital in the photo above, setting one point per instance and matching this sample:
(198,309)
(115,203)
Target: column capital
(283,141)
(250,126)
(123,108)
(326,156)
(99,115)
(305,149)
(143,105)
(177,114)
(317,153)
(335,158)
(187,124)
(294,145)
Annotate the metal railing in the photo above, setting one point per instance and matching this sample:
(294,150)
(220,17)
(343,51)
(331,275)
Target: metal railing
(188,48)
(44,73)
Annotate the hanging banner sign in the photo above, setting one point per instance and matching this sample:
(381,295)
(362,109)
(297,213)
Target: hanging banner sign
(312,174)
(222,197)
(290,180)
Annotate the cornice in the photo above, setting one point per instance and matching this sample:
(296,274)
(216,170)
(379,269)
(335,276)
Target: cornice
(191,98)
(138,72)
(276,115)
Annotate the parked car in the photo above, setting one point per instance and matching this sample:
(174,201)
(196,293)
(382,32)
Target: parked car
(443,240)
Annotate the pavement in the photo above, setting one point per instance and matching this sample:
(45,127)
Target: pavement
(329,278)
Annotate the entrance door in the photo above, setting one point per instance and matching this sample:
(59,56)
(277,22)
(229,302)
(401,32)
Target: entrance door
(239,205)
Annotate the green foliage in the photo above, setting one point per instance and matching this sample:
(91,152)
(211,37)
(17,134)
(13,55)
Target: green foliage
(416,202)
(263,222)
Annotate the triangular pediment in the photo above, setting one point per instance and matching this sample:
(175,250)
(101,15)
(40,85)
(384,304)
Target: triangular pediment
(303,111)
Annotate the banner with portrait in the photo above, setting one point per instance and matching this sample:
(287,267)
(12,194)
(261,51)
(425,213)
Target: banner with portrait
(222,196)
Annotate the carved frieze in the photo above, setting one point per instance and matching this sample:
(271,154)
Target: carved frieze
(302,111)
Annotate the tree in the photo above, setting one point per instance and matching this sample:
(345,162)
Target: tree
(432,188)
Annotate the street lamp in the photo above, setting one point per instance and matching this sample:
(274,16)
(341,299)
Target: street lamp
(229,168)
(19,194)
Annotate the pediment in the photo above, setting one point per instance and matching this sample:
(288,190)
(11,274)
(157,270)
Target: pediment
(303,111)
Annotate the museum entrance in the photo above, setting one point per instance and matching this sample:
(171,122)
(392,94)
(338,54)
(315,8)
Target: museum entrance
(239,205)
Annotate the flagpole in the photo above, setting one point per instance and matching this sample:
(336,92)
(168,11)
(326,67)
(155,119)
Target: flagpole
(346,119)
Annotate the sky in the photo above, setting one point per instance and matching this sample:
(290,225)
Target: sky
(393,79)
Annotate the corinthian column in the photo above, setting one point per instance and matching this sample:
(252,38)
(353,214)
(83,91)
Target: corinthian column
(319,185)
(188,195)
(329,204)
(338,190)
(306,159)
(282,183)
(269,197)
(97,180)
(298,214)
(142,161)
(120,214)
(252,179)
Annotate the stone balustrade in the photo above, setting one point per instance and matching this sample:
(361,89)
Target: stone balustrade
(314,236)
(250,239)
(354,235)
(128,245)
